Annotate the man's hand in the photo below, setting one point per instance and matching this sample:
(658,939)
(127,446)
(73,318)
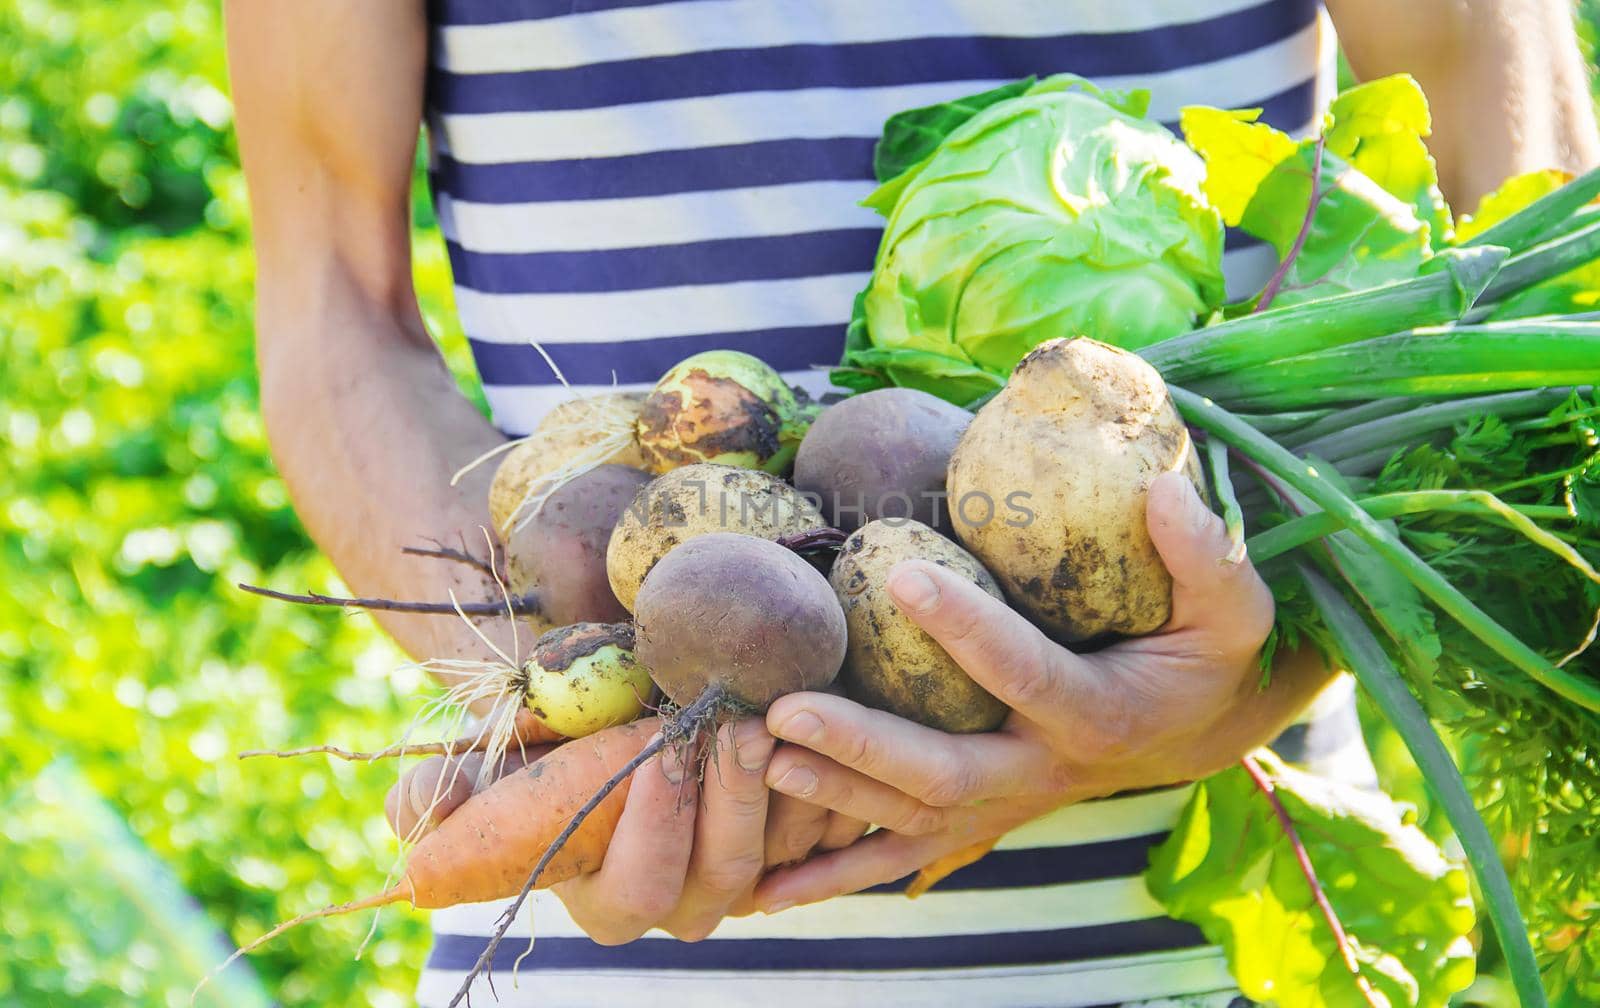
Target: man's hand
(1174,706)
(688,849)
(685,850)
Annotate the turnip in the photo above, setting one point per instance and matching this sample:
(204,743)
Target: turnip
(578,680)
(1071,444)
(881,454)
(721,406)
(695,500)
(572,437)
(559,553)
(583,678)
(892,664)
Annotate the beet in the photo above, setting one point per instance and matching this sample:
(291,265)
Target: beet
(881,454)
(740,613)
(561,552)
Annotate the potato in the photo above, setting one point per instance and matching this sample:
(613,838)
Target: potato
(561,552)
(881,454)
(1048,487)
(573,433)
(742,613)
(584,678)
(695,500)
(891,664)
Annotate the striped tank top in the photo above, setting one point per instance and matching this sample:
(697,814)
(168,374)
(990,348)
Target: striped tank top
(627,182)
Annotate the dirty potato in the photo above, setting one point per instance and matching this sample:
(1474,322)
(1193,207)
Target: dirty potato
(1048,488)
(891,664)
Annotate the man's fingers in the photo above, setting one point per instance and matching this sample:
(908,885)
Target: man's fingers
(933,766)
(794,827)
(641,879)
(436,787)
(842,831)
(803,774)
(730,830)
(997,647)
(874,860)
(1193,543)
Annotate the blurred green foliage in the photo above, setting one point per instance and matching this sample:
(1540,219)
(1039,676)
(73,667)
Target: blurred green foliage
(135,490)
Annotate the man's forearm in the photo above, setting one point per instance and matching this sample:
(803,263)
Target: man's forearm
(365,422)
(1505,82)
(367,427)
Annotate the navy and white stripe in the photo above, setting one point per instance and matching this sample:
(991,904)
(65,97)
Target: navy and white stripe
(630,183)
(627,182)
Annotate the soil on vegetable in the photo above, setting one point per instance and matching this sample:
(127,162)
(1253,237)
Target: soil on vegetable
(562,646)
(721,416)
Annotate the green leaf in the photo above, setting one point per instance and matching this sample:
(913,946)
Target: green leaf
(1379,213)
(935,373)
(1558,210)
(1361,236)
(1514,193)
(910,136)
(851,373)
(1583,493)
(1229,868)
(951,379)
(1239,153)
(1378,128)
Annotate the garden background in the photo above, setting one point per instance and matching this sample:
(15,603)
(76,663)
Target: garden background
(135,489)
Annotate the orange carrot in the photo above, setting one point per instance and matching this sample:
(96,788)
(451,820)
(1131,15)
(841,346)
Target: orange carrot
(946,866)
(483,850)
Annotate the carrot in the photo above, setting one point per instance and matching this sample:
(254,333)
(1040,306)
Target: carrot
(482,851)
(944,867)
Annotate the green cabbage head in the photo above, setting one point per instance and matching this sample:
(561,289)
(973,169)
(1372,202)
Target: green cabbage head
(1059,212)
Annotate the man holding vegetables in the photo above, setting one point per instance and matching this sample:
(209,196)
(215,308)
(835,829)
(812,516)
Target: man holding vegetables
(639,181)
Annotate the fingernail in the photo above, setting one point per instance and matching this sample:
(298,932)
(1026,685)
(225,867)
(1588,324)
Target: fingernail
(803,727)
(672,764)
(914,590)
(778,907)
(752,746)
(798,782)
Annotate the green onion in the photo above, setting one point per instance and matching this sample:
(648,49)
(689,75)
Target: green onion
(1440,296)
(1304,477)
(1297,532)
(1281,424)
(1222,481)
(1437,361)
(1344,419)
(1388,434)
(1535,222)
(1540,263)
(1364,655)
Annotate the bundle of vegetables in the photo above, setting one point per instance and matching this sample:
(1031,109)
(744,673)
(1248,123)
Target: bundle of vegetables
(1412,458)
(1402,421)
